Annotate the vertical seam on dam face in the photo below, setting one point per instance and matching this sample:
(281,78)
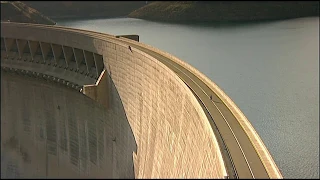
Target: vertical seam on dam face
(149,96)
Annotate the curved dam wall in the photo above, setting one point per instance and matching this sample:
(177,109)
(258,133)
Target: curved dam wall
(255,139)
(152,126)
(49,130)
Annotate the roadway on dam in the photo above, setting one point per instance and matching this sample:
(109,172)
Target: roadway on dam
(240,156)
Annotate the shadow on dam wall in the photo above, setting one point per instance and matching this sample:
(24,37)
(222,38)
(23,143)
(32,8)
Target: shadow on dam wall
(48,130)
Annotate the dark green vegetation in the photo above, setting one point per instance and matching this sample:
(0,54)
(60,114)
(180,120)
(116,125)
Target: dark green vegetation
(222,11)
(169,11)
(85,9)
(16,11)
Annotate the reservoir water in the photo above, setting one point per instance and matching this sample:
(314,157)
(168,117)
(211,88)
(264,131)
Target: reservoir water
(269,69)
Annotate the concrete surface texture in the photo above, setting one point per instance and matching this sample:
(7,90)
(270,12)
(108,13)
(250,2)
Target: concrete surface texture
(48,130)
(147,123)
(221,99)
(168,124)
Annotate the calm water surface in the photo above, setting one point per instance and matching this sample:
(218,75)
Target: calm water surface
(269,69)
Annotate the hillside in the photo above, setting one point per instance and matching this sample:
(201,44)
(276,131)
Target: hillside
(85,9)
(17,11)
(180,11)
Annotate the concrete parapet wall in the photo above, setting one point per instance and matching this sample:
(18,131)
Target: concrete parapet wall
(172,134)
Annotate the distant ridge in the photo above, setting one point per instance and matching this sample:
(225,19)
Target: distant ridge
(210,11)
(85,9)
(16,11)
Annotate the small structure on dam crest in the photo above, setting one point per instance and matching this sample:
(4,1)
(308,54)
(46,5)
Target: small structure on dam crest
(81,104)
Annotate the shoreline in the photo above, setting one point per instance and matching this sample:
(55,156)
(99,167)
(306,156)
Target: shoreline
(225,12)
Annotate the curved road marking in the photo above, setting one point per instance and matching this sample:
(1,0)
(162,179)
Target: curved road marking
(224,120)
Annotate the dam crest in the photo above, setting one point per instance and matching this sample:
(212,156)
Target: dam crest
(83,104)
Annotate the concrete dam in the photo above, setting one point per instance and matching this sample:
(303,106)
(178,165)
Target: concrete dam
(83,104)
